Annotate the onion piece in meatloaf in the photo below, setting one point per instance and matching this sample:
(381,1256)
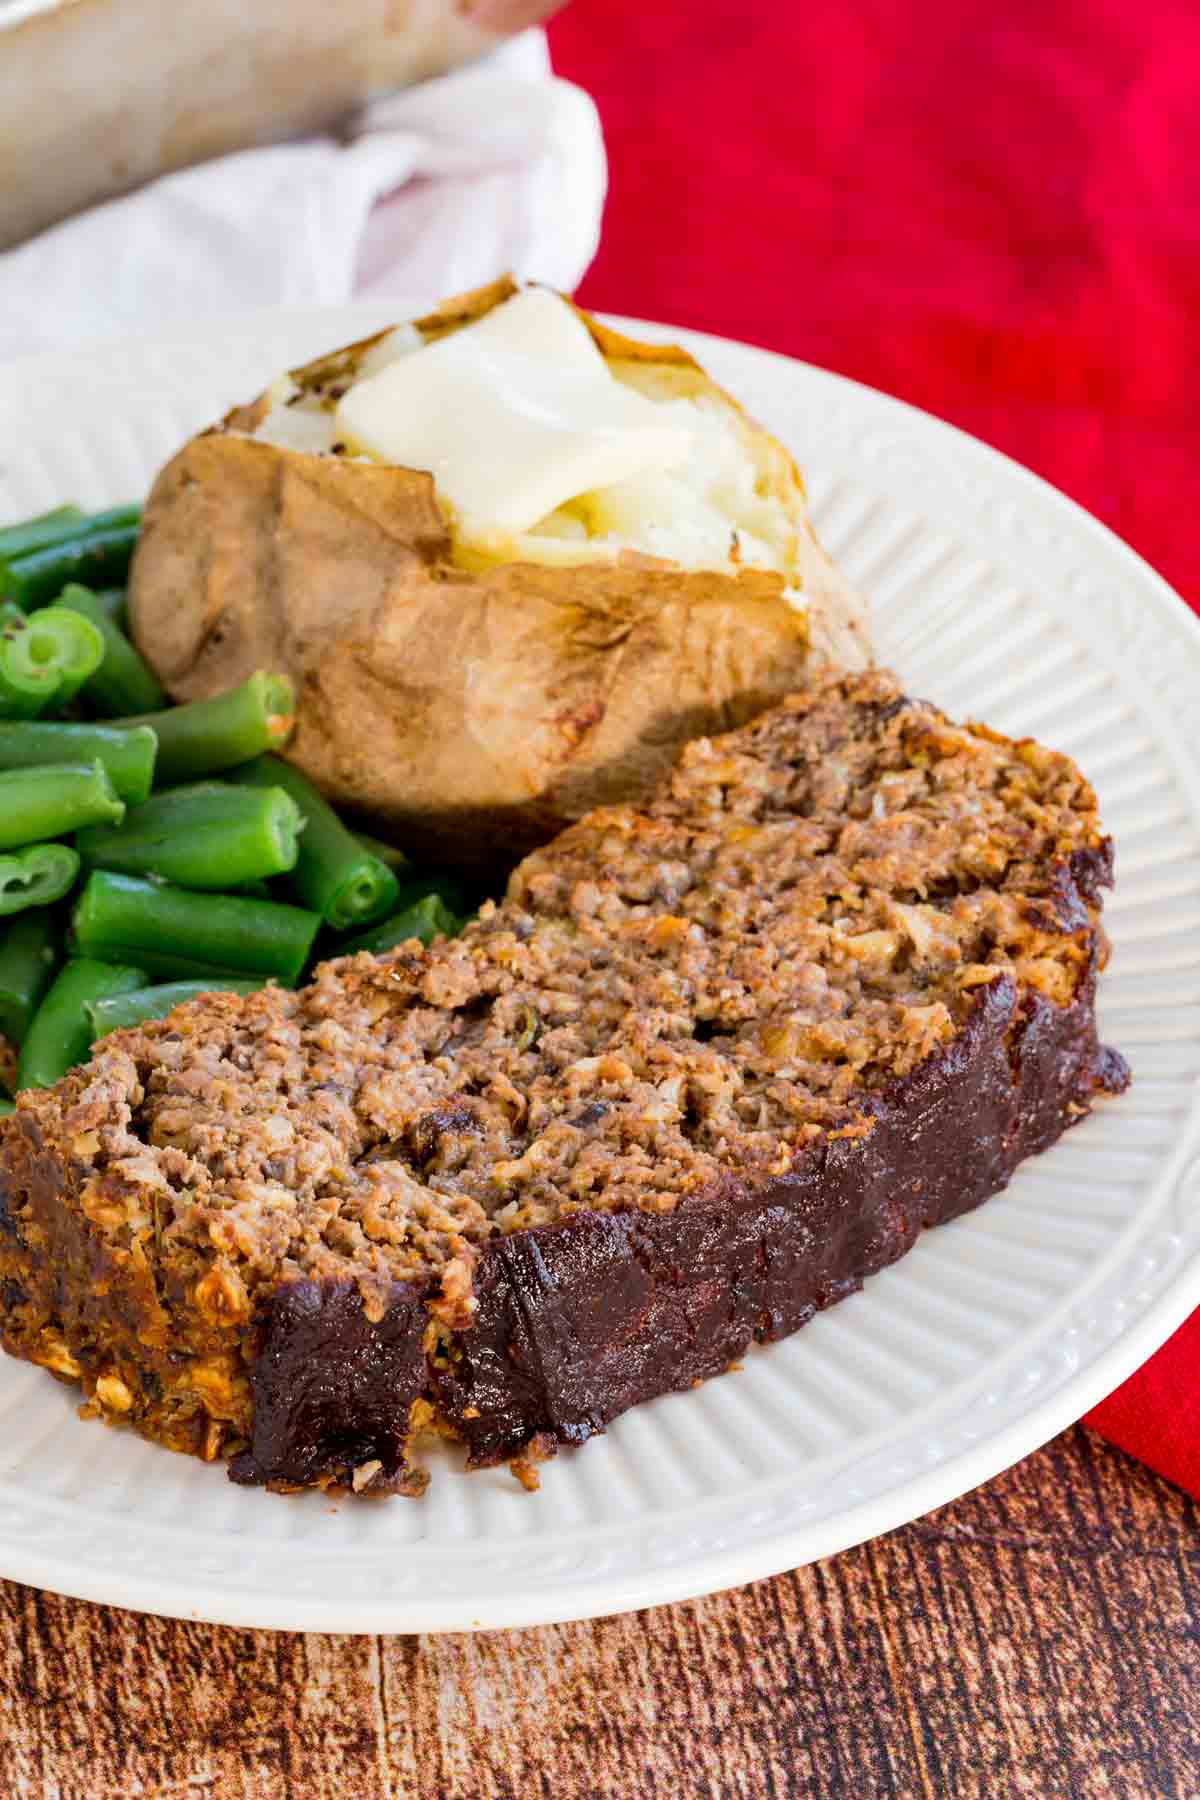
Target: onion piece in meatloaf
(705,1068)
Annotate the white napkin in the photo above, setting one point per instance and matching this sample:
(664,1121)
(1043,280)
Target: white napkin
(432,190)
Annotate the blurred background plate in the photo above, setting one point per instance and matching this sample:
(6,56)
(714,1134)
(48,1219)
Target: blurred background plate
(999,599)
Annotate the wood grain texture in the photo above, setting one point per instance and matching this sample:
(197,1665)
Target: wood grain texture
(1040,1637)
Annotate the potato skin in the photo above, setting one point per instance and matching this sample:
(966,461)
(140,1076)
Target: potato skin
(471,714)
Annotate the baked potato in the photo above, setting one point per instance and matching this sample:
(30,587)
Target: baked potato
(474,686)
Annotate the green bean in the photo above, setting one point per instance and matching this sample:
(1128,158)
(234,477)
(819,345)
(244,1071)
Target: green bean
(97,554)
(126,752)
(23,693)
(209,835)
(36,876)
(171,932)
(456,895)
(424,919)
(123,682)
(206,736)
(7,1108)
(41,803)
(59,633)
(462,897)
(113,602)
(35,534)
(58,641)
(212,976)
(61,1032)
(26,688)
(390,854)
(333,875)
(46,660)
(115,1012)
(28,956)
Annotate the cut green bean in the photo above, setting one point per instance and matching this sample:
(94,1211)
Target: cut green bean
(23,692)
(172,932)
(206,736)
(389,854)
(116,1012)
(209,835)
(60,1034)
(28,957)
(26,688)
(56,642)
(212,976)
(60,634)
(113,602)
(97,554)
(461,897)
(456,895)
(164,967)
(333,875)
(35,534)
(41,803)
(36,876)
(123,682)
(425,919)
(127,752)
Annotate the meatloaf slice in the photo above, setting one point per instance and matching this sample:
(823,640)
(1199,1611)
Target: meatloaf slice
(705,1068)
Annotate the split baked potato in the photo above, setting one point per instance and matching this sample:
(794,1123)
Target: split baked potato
(474,689)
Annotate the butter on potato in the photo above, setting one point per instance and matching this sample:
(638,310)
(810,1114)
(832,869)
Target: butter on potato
(468,675)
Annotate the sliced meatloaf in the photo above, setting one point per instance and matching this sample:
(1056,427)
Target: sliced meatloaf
(706,1067)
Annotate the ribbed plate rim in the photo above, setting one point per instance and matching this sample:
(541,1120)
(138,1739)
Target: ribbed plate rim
(221,1600)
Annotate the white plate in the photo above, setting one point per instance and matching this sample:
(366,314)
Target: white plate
(998,598)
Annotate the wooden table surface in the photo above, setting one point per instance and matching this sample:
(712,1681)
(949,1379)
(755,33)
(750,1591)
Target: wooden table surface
(1040,1637)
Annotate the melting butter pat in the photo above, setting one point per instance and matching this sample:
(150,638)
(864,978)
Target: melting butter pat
(512,416)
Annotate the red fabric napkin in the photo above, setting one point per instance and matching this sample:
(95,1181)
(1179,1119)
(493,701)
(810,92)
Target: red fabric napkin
(992,212)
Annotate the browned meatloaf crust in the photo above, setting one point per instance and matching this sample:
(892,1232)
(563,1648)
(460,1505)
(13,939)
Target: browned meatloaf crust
(706,1067)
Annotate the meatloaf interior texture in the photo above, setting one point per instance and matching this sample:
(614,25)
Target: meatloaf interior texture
(704,1068)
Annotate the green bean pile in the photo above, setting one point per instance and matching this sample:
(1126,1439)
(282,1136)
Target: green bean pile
(132,877)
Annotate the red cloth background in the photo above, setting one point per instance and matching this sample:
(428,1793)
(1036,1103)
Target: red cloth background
(992,212)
